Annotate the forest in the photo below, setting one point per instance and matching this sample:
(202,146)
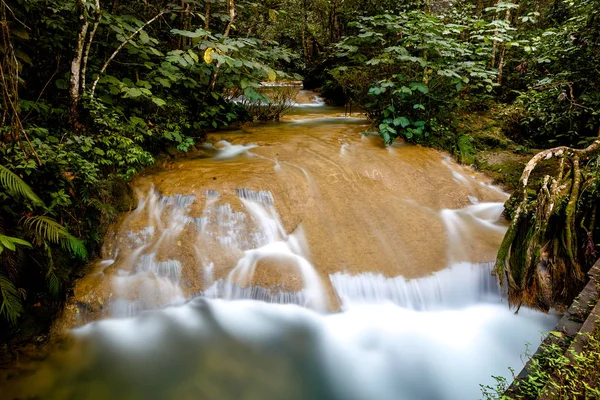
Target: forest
(95,91)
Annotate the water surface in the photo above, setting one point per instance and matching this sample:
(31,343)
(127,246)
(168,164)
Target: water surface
(296,260)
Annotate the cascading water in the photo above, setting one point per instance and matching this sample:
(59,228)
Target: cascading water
(228,279)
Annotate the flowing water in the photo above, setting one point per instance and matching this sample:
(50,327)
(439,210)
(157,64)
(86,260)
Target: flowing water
(296,260)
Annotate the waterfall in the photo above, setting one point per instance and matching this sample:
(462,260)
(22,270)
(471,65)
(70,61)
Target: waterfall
(457,286)
(254,233)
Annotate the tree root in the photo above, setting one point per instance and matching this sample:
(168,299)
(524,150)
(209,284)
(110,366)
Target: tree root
(539,259)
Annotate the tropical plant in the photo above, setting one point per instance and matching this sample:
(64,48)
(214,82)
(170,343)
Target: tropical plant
(560,66)
(410,68)
(271,102)
(43,231)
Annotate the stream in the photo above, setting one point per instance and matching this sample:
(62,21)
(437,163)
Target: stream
(295,260)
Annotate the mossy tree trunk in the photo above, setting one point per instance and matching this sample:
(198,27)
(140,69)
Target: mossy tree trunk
(550,244)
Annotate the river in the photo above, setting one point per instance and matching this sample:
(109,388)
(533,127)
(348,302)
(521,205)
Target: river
(295,260)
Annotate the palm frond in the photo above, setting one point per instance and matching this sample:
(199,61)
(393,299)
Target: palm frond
(14,184)
(11,307)
(53,283)
(49,230)
(11,243)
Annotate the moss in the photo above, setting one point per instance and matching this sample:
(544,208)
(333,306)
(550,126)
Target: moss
(466,150)
(504,166)
(123,197)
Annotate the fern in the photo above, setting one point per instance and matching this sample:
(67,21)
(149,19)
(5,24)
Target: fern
(51,231)
(11,306)
(13,184)
(53,283)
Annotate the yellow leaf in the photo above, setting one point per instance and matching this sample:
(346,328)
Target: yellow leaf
(23,57)
(272,75)
(20,32)
(272,15)
(208,55)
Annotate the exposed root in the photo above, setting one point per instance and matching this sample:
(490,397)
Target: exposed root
(540,260)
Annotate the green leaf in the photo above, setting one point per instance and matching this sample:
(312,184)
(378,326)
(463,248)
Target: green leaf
(23,57)
(132,92)
(158,101)
(386,137)
(48,230)
(419,86)
(20,32)
(193,55)
(402,121)
(196,34)
(11,306)
(61,84)
(164,82)
(144,38)
(12,183)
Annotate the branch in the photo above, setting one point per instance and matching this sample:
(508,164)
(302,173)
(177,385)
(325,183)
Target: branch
(88,45)
(44,88)
(123,44)
(213,78)
(231,6)
(561,151)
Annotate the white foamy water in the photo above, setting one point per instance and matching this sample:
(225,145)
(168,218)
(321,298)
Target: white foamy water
(460,285)
(144,280)
(223,150)
(216,349)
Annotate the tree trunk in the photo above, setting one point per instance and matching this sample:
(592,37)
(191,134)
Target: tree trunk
(207,8)
(76,66)
(231,8)
(88,45)
(334,22)
(503,52)
(526,271)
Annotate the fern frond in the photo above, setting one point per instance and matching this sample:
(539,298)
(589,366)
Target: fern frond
(14,184)
(53,283)
(51,231)
(11,307)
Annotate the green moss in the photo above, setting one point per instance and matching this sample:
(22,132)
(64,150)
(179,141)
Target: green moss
(122,196)
(466,150)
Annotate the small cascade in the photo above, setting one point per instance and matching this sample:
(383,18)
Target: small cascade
(232,350)
(458,286)
(229,247)
(471,226)
(223,150)
(305,98)
(271,243)
(225,289)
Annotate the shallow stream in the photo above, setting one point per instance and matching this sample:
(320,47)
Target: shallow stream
(296,260)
